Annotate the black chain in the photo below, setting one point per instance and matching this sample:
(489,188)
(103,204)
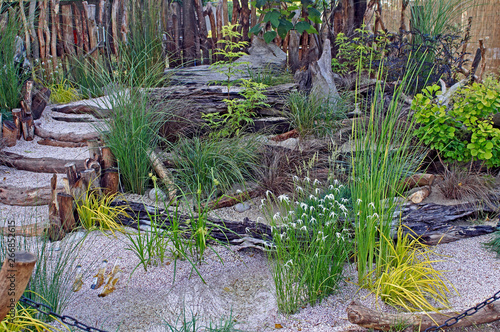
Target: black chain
(47,310)
(468,312)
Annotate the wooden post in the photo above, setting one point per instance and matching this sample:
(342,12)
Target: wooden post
(66,212)
(114,25)
(25,27)
(14,277)
(124,27)
(108,159)
(55,24)
(9,133)
(94,149)
(203,31)
(85,32)
(245,20)
(31,25)
(17,116)
(71,174)
(68,37)
(40,32)
(213,27)
(28,98)
(78,29)
(46,30)
(28,128)
(89,11)
(110,181)
(218,13)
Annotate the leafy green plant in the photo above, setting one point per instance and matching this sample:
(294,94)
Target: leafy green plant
(310,243)
(383,155)
(409,280)
(279,15)
(312,115)
(239,113)
(96,211)
(230,51)
(356,54)
(464,131)
(199,160)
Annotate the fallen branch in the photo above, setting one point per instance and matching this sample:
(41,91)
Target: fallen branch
(368,318)
(68,137)
(38,165)
(229,201)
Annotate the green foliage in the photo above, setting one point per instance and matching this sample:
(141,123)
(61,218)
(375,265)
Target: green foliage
(279,15)
(231,50)
(494,243)
(409,280)
(63,92)
(11,72)
(239,111)
(183,323)
(356,54)
(383,156)
(24,320)
(464,131)
(270,77)
(313,115)
(310,243)
(95,211)
(199,161)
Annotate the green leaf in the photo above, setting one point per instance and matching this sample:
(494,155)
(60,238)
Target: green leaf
(260,3)
(255,29)
(273,17)
(302,26)
(312,30)
(269,36)
(314,15)
(284,27)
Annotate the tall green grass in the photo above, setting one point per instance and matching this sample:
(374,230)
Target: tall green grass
(384,154)
(11,73)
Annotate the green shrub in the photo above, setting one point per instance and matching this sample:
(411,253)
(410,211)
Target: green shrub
(463,131)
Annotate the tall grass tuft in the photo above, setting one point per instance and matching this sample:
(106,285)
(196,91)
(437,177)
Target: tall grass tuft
(383,155)
(11,72)
(201,160)
(310,243)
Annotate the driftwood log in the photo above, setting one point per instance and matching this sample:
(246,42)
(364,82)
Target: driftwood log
(38,165)
(246,233)
(67,137)
(209,99)
(10,132)
(14,277)
(368,318)
(61,144)
(28,230)
(11,195)
(83,109)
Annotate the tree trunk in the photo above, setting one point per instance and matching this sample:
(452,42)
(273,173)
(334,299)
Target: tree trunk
(203,32)
(114,25)
(41,39)
(245,21)
(31,24)
(124,26)
(68,37)
(9,133)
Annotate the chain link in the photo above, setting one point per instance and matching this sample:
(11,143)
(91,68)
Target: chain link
(466,313)
(47,310)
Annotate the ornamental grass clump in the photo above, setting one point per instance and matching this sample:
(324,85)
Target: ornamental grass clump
(311,243)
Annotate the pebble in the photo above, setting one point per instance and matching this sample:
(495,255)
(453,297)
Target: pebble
(155,192)
(242,207)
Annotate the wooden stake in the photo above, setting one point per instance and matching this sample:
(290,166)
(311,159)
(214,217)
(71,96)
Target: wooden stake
(78,29)
(89,11)
(483,60)
(10,132)
(94,149)
(17,116)
(110,181)
(66,212)
(67,28)
(14,277)
(55,25)
(31,25)
(71,173)
(124,26)
(41,40)
(114,25)
(28,128)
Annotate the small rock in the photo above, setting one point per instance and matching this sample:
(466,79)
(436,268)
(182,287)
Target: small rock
(242,207)
(156,193)
(290,143)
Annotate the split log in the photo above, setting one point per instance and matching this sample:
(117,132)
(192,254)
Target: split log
(28,128)
(10,133)
(66,212)
(40,100)
(420,195)
(38,165)
(110,181)
(53,204)
(71,174)
(61,144)
(67,137)
(11,195)
(78,30)
(14,277)
(114,25)
(163,173)
(419,180)
(17,116)
(368,318)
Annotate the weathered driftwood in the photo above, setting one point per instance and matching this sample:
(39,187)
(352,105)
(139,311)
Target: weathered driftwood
(82,109)
(368,318)
(209,99)
(28,230)
(14,277)
(420,195)
(61,144)
(68,137)
(38,165)
(231,200)
(233,232)
(163,173)
(11,195)
(9,133)
(66,212)
(444,233)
